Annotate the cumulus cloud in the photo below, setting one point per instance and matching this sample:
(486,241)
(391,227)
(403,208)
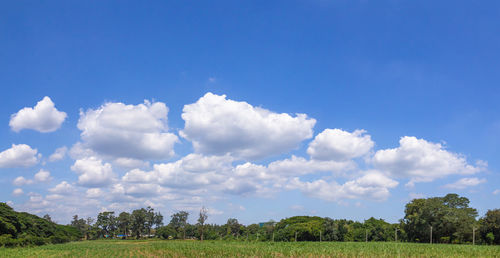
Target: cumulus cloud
(94,193)
(58,154)
(93,172)
(19,155)
(42,176)
(63,188)
(44,117)
(130,163)
(336,144)
(465,183)
(422,161)
(17,192)
(218,126)
(128,131)
(190,172)
(20,180)
(296,166)
(373,185)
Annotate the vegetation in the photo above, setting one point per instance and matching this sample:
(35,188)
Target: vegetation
(179,248)
(447,219)
(24,229)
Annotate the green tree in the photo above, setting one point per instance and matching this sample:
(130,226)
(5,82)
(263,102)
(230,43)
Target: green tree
(179,221)
(106,221)
(201,222)
(450,217)
(490,226)
(138,222)
(123,222)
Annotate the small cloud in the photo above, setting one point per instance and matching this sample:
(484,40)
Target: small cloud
(58,154)
(211,79)
(17,192)
(465,182)
(497,191)
(42,176)
(297,207)
(19,181)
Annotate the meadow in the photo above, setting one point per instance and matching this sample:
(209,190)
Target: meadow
(179,248)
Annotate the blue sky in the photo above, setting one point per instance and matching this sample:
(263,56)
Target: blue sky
(255,109)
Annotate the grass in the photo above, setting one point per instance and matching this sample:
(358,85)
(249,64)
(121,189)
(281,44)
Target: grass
(162,248)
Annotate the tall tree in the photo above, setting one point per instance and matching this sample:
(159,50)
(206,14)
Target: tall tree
(47,217)
(179,221)
(150,219)
(107,222)
(233,227)
(123,223)
(81,225)
(158,220)
(450,217)
(490,226)
(138,219)
(201,221)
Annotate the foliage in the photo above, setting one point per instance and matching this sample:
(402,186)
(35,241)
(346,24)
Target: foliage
(24,229)
(179,222)
(450,217)
(490,226)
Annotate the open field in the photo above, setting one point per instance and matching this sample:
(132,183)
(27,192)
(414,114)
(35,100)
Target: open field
(159,248)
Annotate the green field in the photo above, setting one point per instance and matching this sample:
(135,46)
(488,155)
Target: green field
(159,248)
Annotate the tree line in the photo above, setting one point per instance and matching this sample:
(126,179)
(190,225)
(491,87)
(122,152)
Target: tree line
(447,219)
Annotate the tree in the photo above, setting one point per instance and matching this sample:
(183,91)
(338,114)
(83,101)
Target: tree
(81,225)
(450,217)
(158,220)
(123,222)
(107,222)
(179,220)
(138,219)
(150,218)
(47,217)
(233,227)
(201,222)
(490,226)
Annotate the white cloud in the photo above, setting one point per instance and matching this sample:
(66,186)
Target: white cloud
(128,131)
(497,191)
(43,176)
(92,172)
(421,161)
(19,155)
(373,185)
(465,182)
(63,188)
(19,181)
(130,163)
(219,126)
(295,166)
(44,117)
(58,154)
(335,144)
(94,193)
(17,192)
